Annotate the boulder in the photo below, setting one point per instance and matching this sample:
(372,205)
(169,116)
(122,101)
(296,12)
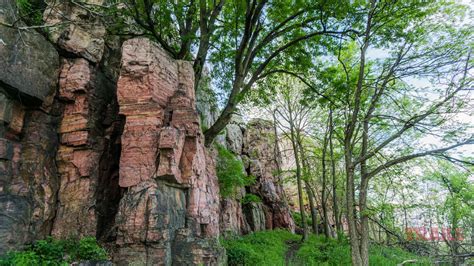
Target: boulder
(76,29)
(30,64)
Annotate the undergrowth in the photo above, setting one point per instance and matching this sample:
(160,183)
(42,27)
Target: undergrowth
(299,221)
(31,11)
(270,248)
(259,248)
(319,251)
(51,251)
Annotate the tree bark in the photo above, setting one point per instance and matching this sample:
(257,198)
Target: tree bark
(324,184)
(294,144)
(335,204)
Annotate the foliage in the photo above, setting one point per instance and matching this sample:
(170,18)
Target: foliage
(90,250)
(249,198)
(270,248)
(31,11)
(321,251)
(51,251)
(230,172)
(297,218)
(259,248)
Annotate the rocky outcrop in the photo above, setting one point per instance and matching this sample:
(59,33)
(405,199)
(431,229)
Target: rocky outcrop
(84,139)
(75,29)
(262,162)
(89,131)
(254,144)
(28,141)
(170,211)
(91,144)
(29,62)
(58,132)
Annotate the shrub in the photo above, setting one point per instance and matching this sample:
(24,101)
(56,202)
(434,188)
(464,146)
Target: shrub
(90,250)
(31,11)
(299,221)
(249,197)
(230,172)
(51,251)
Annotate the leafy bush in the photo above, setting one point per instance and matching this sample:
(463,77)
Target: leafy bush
(51,251)
(31,11)
(259,248)
(249,197)
(90,250)
(299,221)
(230,172)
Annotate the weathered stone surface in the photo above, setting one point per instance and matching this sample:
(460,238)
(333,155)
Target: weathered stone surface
(38,169)
(234,138)
(259,147)
(87,96)
(28,177)
(76,29)
(51,185)
(14,217)
(30,64)
(169,214)
(233,220)
(255,216)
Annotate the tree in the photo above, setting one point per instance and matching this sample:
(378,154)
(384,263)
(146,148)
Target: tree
(380,108)
(292,118)
(243,41)
(456,210)
(176,25)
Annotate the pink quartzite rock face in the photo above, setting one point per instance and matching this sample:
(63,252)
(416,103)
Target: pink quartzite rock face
(254,144)
(83,143)
(172,197)
(75,29)
(259,146)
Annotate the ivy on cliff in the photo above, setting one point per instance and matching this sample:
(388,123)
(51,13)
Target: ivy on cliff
(230,173)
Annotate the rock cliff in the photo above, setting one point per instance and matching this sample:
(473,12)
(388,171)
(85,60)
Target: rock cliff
(254,144)
(102,137)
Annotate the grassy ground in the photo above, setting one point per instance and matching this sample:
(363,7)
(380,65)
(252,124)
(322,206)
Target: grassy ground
(271,248)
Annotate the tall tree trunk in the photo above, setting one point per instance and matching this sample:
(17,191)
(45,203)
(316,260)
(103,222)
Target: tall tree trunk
(309,191)
(294,136)
(335,207)
(324,185)
(314,215)
(351,215)
(364,186)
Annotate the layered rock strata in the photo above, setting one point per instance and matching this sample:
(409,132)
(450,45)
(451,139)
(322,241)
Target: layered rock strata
(28,142)
(254,144)
(89,131)
(170,211)
(84,132)
(91,148)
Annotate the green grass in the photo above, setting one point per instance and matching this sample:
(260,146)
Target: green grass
(260,248)
(270,248)
(318,251)
(51,251)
